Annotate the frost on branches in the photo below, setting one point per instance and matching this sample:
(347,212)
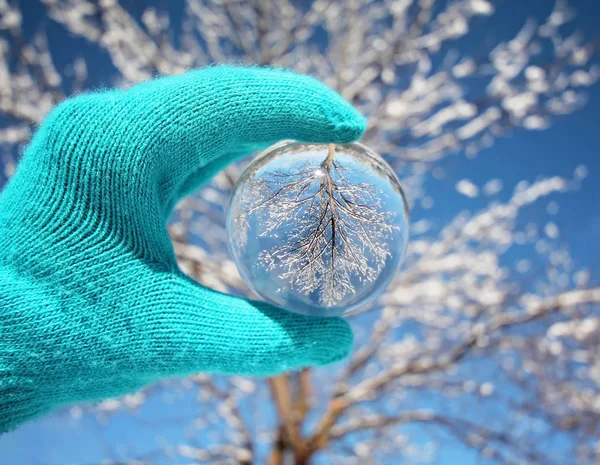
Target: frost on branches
(336,230)
(466,349)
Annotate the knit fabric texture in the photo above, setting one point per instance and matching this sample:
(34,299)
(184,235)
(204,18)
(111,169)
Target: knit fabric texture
(92,302)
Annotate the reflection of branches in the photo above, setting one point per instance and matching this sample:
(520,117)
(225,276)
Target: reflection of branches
(336,232)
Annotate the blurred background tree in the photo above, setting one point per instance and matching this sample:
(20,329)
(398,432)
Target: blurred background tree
(483,350)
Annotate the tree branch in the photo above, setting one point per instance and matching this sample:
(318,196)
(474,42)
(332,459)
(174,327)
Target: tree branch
(427,363)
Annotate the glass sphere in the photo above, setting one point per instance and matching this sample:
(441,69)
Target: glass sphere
(318,229)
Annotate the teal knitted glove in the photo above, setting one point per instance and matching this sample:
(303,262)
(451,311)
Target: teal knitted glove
(92,302)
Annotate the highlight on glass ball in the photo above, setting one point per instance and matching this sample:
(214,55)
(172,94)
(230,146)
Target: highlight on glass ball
(318,229)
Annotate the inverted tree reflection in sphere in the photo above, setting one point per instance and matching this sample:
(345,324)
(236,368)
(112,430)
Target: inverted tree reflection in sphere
(318,229)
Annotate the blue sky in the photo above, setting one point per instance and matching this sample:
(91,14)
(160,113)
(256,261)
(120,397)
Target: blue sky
(572,141)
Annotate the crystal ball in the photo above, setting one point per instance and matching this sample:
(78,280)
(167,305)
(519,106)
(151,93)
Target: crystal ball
(318,229)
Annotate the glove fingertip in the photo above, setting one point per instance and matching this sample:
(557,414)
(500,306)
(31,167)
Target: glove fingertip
(335,343)
(349,131)
(347,124)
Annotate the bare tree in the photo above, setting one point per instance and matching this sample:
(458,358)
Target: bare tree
(465,349)
(336,232)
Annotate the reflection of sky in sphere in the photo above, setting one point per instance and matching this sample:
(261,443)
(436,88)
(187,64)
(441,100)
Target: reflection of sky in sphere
(304,272)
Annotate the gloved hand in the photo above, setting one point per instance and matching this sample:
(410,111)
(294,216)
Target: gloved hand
(92,302)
